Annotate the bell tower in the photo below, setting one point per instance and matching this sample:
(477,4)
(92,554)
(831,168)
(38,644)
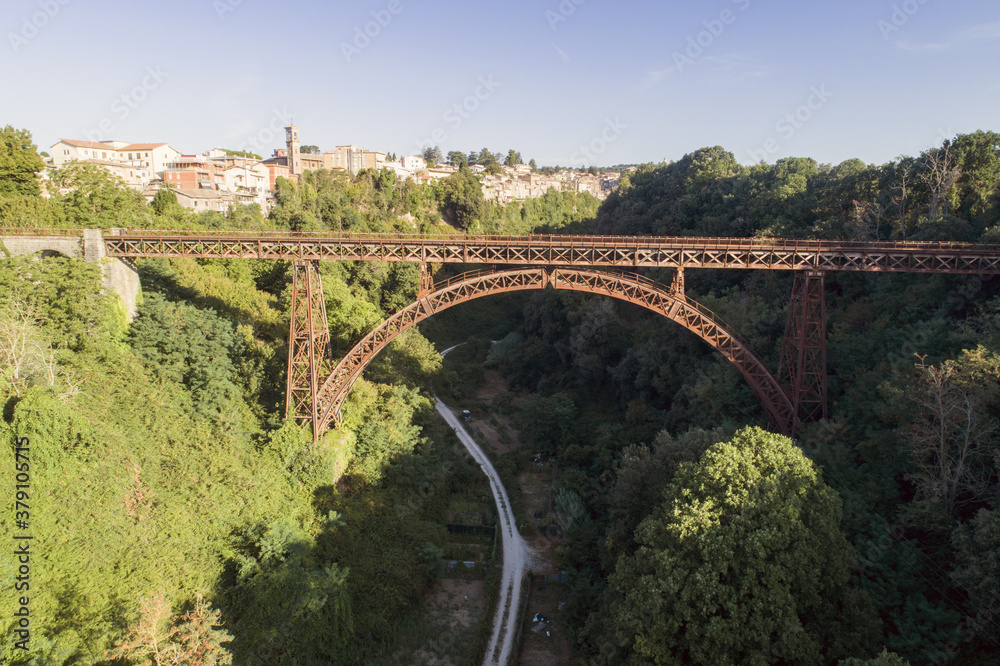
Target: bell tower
(292,144)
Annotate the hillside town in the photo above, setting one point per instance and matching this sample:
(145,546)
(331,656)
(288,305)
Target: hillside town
(219,178)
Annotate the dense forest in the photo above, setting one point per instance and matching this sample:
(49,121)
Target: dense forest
(179,519)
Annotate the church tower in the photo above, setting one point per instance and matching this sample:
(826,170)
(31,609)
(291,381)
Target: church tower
(292,143)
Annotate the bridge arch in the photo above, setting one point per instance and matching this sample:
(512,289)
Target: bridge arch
(623,286)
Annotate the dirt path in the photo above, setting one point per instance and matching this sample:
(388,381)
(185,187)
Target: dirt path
(515,551)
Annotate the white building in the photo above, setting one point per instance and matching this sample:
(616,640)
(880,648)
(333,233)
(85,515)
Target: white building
(152,157)
(202,200)
(70,150)
(135,177)
(413,163)
(248,182)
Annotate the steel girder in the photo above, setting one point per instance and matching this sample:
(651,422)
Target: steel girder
(567,250)
(309,357)
(802,368)
(624,286)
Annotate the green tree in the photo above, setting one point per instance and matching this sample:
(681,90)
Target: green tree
(190,347)
(461,196)
(739,562)
(98,198)
(19,163)
(433,155)
(164,201)
(885,659)
(513,158)
(977,568)
(533,164)
(288,607)
(457,158)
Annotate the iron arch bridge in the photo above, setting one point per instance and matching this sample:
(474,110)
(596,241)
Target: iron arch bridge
(316,392)
(317,386)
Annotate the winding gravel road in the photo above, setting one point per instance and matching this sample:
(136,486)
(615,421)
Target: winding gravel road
(515,551)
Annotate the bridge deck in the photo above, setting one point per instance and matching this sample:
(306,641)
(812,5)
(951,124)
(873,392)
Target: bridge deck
(549,250)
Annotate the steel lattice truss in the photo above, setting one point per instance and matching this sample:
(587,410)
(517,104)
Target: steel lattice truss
(803,356)
(309,355)
(632,288)
(566,250)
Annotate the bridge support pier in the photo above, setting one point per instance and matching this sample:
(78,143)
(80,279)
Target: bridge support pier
(426,280)
(309,358)
(802,368)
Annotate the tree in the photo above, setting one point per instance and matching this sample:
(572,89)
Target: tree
(309,150)
(185,345)
(533,164)
(951,437)
(24,358)
(195,639)
(941,170)
(289,606)
(977,567)
(885,659)
(99,198)
(513,158)
(242,153)
(641,474)
(164,201)
(19,162)
(457,158)
(433,155)
(739,562)
(461,196)
(487,158)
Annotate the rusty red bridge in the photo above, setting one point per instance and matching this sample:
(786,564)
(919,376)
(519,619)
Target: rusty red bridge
(317,387)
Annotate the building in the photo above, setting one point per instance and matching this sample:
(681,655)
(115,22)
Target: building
(202,200)
(249,183)
(135,177)
(193,172)
(353,159)
(292,154)
(276,167)
(71,150)
(150,156)
(153,156)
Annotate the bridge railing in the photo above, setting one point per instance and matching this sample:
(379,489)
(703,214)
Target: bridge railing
(536,240)
(563,240)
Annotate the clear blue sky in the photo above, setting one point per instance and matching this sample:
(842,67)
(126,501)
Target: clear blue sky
(560,75)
